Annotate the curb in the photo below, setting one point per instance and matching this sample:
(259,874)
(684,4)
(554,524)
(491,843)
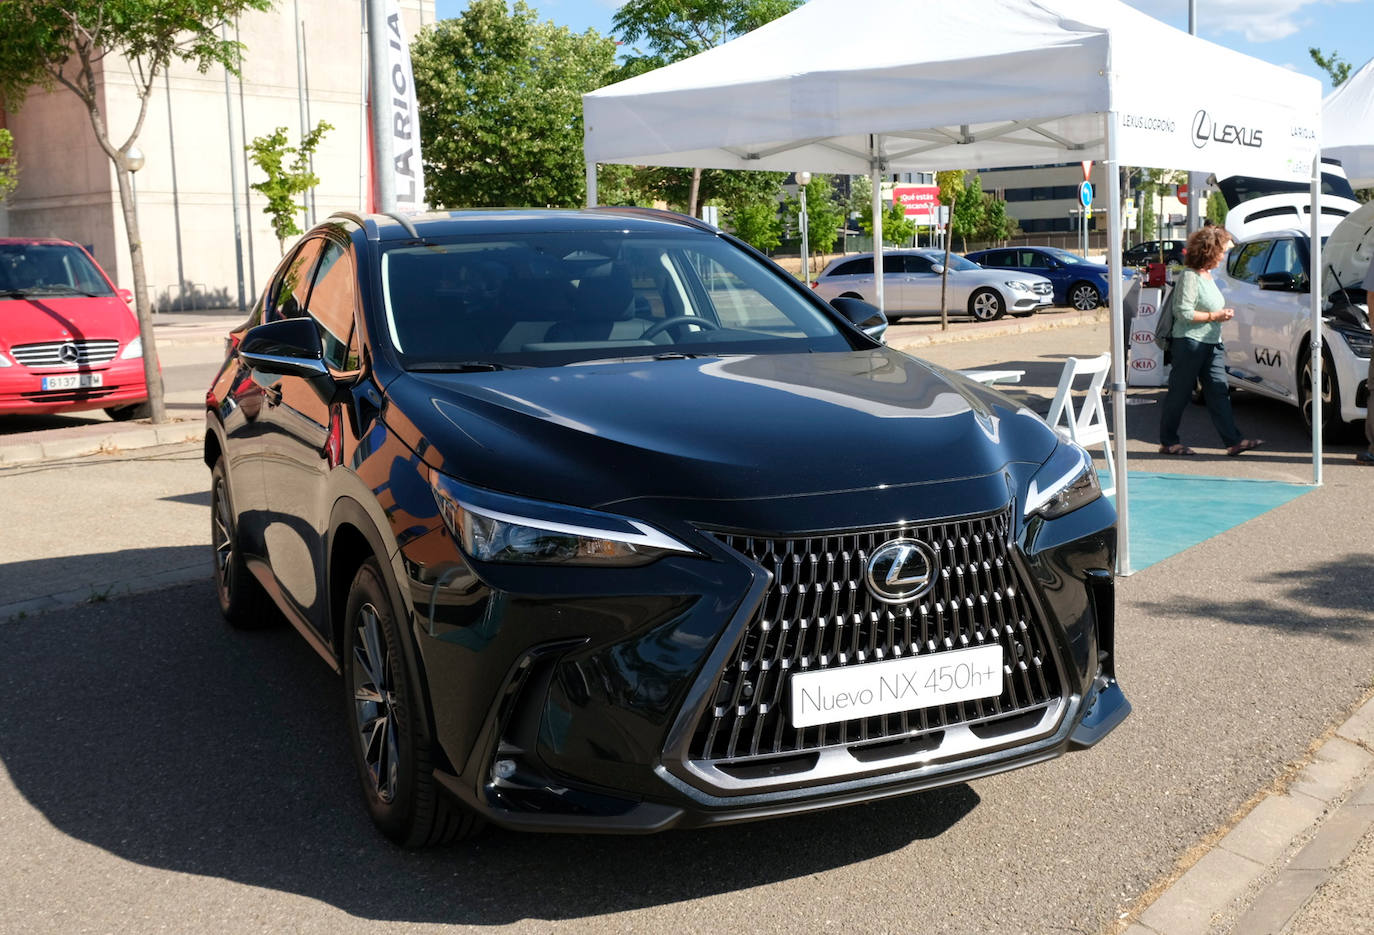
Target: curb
(100,439)
(94,594)
(1283,851)
(974,331)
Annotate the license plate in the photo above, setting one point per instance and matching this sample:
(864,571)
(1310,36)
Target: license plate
(71,381)
(874,688)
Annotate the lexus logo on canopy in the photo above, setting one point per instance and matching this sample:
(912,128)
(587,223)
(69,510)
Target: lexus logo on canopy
(1206,130)
(901,570)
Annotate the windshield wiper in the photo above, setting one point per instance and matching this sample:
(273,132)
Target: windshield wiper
(461,366)
(59,289)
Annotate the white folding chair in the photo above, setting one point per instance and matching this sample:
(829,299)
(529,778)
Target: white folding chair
(1087,425)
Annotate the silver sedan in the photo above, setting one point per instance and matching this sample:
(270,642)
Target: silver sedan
(911,285)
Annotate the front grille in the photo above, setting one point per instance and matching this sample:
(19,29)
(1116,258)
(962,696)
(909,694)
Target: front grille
(818,613)
(49,354)
(1043,288)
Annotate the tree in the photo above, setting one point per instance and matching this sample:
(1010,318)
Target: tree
(284,182)
(672,30)
(500,102)
(967,217)
(951,185)
(756,222)
(67,42)
(9,166)
(897,227)
(824,213)
(997,224)
(1216,209)
(1335,66)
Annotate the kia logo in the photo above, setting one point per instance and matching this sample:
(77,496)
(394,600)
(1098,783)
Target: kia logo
(901,570)
(1143,364)
(1143,337)
(1145,311)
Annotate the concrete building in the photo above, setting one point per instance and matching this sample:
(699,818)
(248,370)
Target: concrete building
(193,141)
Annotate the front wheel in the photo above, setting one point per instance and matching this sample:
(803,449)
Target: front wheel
(986,305)
(1084,296)
(242,600)
(390,735)
(1333,429)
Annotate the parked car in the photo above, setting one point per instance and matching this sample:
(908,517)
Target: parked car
(1077,282)
(68,339)
(911,285)
(1151,251)
(610,524)
(1267,281)
(1255,205)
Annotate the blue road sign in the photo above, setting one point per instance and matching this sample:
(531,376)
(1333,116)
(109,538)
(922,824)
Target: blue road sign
(1085,194)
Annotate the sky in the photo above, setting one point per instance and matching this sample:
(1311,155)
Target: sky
(1277,31)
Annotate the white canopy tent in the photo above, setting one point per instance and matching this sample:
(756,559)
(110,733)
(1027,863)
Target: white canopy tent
(882,86)
(1348,126)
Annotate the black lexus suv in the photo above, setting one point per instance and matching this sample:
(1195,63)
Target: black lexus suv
(610,524)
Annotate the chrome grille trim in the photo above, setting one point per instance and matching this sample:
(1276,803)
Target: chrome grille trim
(47,354)
(817,613)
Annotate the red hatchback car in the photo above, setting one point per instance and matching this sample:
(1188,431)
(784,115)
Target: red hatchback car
(68,338)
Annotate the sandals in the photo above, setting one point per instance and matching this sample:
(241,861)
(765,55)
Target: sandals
(1181,451)
(1245,444)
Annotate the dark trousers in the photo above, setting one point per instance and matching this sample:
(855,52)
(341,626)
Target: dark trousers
(1194,361)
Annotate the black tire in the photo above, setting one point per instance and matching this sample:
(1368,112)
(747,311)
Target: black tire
(388,720)
(1084,296)
(242,600)
(1333,429)
(986,305)
(125,413)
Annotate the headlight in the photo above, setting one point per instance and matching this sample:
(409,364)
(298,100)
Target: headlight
(494,527)
(135,349)
(1361,343)
(1017,286)
(1064,483)
(5,361)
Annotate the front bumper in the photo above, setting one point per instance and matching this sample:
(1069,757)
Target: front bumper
(121,384)
(572,702)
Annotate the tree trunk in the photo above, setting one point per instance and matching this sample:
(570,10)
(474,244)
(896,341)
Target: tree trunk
(944,273)
(694,192)
(151,371)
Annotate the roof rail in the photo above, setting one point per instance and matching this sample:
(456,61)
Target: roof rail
(685,219)
(405,222)
(368,226)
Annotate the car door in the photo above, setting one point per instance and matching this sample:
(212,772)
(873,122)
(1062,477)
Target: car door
(920,282)
(304,439)
(1240,290)
(1279,319)
(1042,264)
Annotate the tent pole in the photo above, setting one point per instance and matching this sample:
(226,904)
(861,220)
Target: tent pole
(1316,289)
(591,183)
(1118,332)
(876,167)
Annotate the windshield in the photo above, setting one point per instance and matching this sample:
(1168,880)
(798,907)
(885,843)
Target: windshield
(551,298)
(955,261)
(1064,256)
(29,269)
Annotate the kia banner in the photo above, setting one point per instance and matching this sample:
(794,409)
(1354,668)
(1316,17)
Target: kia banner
(402,117)
(1146,359)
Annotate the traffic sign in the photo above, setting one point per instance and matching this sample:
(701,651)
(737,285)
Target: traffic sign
(1087,168)
(1085,194)
(1183,193)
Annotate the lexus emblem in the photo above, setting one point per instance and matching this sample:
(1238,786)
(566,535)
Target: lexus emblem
(901,570)
(68,353)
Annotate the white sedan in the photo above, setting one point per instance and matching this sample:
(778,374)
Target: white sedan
(911,285)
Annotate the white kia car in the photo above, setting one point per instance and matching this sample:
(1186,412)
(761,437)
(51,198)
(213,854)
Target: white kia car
(911,285)
(1266,279)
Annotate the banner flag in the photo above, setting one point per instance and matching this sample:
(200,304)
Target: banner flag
(403,118)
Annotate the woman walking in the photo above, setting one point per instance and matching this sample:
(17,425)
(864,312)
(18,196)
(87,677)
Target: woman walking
(1196,349)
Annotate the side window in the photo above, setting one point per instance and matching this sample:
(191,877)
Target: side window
(1029,259)
(1248,262)
(333,303)
(290,290)
(999,258)
(915,263)
(892,264)
(1284,259)
(860,267)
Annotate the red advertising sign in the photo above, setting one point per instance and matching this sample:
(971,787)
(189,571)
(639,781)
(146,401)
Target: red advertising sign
(917,199)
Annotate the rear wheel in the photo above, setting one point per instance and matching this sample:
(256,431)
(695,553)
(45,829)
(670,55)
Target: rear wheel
(390,735)
(1084,296)
(986,305)
(242,600)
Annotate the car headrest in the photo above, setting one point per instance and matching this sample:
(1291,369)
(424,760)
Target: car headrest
(605,298)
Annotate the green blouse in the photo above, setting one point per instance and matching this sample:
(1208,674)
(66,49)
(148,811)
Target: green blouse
(1197,293)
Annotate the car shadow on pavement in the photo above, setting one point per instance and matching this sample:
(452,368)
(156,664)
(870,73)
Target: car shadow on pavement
(151,730)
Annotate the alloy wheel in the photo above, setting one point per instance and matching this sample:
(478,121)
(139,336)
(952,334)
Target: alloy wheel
(222,533)
(374,702)
(1305,393)
(986,306)
(1085,298)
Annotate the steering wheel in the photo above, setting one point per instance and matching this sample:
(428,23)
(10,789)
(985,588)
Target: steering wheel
(678,321)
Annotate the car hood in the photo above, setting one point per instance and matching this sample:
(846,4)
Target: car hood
(59,318)
(992,276)
(713,428)
(1350,248)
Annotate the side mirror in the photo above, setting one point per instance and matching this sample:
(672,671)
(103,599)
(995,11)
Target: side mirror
(289,348)
(937,268)
(864,316)
(1279,282)
(127,296)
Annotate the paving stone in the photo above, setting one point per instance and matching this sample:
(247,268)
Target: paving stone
(1360,726)
(1189,906)
(1280,901)
(1265,833)
(1339,835)
(1364,795)
(1338,764)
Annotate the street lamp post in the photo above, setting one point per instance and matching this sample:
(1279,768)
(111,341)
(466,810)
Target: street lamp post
(803,180)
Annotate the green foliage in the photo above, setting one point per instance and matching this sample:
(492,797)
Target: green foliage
(500,100)
(671,30)
(284,183)
(898,229)
(1216,209)
(824,212)
(968,215)
(757,223)
(729,188)
(860,196)
(1335,66)
(997,224)
(9,165)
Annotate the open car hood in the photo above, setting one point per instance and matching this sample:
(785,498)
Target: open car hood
(1349,249)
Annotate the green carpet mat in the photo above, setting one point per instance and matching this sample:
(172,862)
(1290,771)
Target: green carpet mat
(1173,512)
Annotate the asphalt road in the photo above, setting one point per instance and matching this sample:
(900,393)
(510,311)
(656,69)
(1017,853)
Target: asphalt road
(159,772)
